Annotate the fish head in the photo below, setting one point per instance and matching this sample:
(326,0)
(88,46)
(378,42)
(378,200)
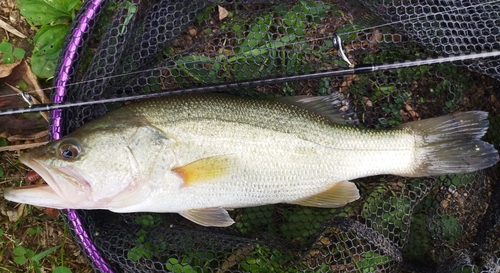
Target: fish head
(65,184)
(95,168)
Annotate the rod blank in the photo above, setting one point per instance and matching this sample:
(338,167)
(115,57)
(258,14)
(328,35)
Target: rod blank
(362,69)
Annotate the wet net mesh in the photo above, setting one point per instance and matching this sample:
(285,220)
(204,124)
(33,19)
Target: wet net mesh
(449,223)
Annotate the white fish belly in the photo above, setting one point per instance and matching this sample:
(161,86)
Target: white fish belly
(267,166)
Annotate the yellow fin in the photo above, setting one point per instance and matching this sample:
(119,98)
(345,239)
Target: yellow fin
(209,217)
(203,169)
(338,195)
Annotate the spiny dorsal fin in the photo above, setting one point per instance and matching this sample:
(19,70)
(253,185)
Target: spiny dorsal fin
(338,195)
(209,217)
(204,169)
(334,107)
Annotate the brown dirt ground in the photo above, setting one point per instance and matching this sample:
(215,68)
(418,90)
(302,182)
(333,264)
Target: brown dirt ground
(19,221)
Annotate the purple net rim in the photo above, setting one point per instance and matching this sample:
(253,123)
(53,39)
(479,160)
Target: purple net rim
(76,40)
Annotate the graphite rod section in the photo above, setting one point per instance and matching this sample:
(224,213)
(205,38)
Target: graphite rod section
(361,69)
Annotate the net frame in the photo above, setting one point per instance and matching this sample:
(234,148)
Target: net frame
(64,77)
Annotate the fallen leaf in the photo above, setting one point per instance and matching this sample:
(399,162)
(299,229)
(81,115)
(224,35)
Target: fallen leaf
(6,69)
(346,83)
(29,137)
(23,72)
(14,215)
(414,115)
(21,146)
(235,258)
(25,126)
(11,29)
(223,13)
(52,212)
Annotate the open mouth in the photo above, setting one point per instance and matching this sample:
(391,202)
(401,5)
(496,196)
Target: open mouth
(49,195)
(40,170)
(63,189)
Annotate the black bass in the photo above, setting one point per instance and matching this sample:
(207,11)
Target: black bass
(200,155)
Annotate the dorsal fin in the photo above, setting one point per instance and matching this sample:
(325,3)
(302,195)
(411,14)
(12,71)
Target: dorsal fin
(334,107)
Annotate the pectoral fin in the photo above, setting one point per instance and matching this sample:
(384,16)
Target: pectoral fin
(204,169)
(209,217)
(338,195)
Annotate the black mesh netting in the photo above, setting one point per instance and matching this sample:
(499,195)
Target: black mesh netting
(441,224)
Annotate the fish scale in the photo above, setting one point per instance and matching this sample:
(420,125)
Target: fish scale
(198,155)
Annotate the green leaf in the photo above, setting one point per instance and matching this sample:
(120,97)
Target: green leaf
(5,47)
(49,39)
(29,254)
(371,260)
(38,12)
(146,220)
(135,253)
(43,67)
(254,37)
(172,262)
(19,251)
(42,255)
(131,11)
(61,269)
(20,260)
(19,53)
(447,228)
(53,56)
(73,5)
(34,230)
(3,142)
(7,58)
(62,5)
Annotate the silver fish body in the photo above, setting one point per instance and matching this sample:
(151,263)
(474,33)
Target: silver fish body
(199,155)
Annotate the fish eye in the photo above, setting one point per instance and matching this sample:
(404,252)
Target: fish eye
(69,150)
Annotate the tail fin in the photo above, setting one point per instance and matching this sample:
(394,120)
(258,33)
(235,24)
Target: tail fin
(451,144)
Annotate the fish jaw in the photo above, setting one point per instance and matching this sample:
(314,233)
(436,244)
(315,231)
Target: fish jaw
(65,189)
(37,195)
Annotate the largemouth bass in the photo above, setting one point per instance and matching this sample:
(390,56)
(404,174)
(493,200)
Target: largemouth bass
(200,155)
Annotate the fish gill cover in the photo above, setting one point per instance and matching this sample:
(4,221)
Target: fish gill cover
(447,223)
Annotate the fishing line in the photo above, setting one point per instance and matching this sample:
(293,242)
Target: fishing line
(362,69)
(334,38)
(337,42)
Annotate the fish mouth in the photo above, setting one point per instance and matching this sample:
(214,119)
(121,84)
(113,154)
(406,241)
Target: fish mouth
(37,195)
(61,191)
(27,160)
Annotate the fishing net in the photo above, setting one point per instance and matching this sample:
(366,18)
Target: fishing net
(449,223)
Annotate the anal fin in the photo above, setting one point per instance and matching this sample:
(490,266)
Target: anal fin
(209,217)
(338,195)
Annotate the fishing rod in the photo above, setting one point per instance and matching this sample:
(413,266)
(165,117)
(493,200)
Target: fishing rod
(360,69)
(337,44)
